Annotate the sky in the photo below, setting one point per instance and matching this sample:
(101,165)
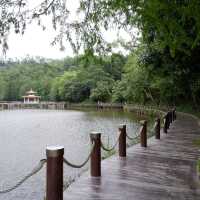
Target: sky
(36,42)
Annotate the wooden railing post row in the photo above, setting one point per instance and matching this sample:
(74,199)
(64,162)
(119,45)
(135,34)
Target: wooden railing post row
(96,154)
(174,114)
(165,127)
(143,133)
(54,186)
(168,120)
(157,129)
(171,116)
(122,140)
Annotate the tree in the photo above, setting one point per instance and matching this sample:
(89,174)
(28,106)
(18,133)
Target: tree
(61,85)
(102,92)
(94,16)
(16,15)
(19,77)
(114,65)
(177,30)
(3,88)
(170,40)
(119,91)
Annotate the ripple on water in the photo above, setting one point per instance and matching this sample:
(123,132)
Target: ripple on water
(25,134)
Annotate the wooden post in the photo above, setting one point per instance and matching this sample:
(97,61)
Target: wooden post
(122,140)
(171,116)
(168,120)
(96,154)
(54,172)
(157,128)
(143,134)
(174,114)
(165,124)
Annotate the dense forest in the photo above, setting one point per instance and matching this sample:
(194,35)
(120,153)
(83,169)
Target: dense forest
(163,66)
(72,79)
(115,78)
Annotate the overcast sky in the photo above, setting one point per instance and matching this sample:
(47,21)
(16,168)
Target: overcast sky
(36,42)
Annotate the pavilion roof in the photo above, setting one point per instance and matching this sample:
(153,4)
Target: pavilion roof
(31,92)
(31,96)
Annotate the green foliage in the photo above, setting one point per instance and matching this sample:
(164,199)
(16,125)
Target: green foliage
(17,78)
(71,79)
(171,36)
(164,69)
(134,86)
(60,85)
(168,65)
(102,92)
(91,80)
(3,88)
(118,92)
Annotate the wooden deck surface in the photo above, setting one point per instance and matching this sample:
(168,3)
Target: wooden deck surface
(165,170)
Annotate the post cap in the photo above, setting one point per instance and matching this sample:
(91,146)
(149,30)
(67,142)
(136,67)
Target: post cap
(95,135)
(122,125)
(54,151)
(157,119)
(143,122)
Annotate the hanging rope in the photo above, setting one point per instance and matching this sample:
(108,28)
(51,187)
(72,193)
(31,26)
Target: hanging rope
(33,172)
(79,165)
(135,133)
(111,148)
(132,138)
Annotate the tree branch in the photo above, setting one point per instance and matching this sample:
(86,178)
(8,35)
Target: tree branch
(44,11)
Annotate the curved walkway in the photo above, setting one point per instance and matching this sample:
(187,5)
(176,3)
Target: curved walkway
(165,170)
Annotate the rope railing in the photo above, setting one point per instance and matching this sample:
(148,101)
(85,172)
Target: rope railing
(67,183)
(79,165)
(33,172)
(136,134)
(132,138)
(55,157)
(152,130)
(99,145)
(108,149)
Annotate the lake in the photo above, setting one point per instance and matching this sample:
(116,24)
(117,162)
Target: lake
(24,135)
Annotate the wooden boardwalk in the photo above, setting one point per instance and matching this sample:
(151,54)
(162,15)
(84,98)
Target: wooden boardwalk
(165,170)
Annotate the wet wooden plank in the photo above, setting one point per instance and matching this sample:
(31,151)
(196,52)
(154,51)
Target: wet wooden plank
(166,169)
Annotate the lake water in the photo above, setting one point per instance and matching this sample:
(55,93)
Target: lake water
(24,135)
